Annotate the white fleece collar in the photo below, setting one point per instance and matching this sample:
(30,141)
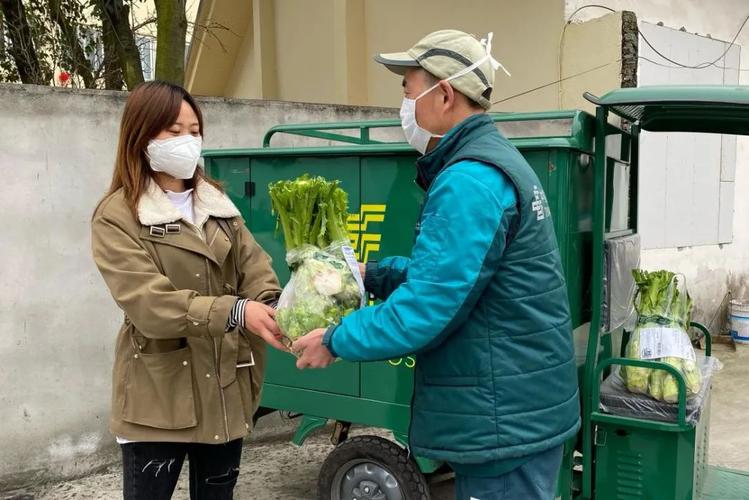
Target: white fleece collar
(154,208)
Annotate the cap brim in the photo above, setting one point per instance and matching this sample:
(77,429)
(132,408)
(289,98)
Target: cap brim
(397,62)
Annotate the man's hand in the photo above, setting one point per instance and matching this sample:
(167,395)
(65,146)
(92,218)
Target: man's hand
(362,270)
(312,353)
(260,320)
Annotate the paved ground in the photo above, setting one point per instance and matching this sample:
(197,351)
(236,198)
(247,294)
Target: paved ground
(729,412)
(274,469)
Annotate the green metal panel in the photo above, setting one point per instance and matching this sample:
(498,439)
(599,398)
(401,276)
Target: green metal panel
(575,125)
(578,255)
(341,377)
(643,459)
(557,130)
(637,463)
(387,184)
(362,411)
(682,108)
(232,173)
(591,359)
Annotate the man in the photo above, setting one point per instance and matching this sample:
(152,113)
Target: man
(482,301)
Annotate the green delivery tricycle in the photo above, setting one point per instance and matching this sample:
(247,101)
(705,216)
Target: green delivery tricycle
(589,170)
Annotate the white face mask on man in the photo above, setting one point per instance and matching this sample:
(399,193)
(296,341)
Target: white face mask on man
(176,156)
(416,136)
(419,137)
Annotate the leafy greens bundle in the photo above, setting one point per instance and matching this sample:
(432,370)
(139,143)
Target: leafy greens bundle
(664,314)
(325,284)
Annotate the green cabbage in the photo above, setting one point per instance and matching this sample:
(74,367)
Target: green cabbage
(660,303)
(312,214)
(310,211)
(637,378)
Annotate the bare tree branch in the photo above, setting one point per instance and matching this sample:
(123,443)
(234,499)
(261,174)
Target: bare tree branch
(22,48)
(143,24)
(119,38)
(210,30)
(81,64)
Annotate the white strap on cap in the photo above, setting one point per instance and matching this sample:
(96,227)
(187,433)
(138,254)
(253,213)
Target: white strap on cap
(487,43)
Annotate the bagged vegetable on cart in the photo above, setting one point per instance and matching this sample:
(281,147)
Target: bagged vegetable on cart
(325,283)
(664,313)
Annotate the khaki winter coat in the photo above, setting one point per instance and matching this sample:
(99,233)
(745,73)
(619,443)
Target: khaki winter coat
(178,375)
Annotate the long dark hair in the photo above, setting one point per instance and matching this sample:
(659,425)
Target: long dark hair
(150,108)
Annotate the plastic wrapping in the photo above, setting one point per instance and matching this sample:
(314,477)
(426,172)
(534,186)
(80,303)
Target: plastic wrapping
(617,400)
(621,255)
(664,308)
(325,286)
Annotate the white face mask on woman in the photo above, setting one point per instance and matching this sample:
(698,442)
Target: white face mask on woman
(176,156)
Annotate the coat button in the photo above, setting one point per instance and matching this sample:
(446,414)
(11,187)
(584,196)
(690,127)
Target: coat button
(207,375)
(184,363)
(216,437)
(247,425)
(195,323)
(226,238)
(136,356)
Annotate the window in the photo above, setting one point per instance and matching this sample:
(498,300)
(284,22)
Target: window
(147,49)
(91,42)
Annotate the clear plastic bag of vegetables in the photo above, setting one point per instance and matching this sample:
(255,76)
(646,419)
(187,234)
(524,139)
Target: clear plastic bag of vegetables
(325,283)
(664,312)
(617,400)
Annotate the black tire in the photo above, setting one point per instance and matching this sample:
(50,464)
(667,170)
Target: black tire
(384,459)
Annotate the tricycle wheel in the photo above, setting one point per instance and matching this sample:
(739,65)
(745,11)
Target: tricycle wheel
(371,468)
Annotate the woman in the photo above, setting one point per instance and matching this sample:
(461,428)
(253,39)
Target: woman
(195,290)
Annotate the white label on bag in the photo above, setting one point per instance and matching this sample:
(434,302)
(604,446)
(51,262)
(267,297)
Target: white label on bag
(348,254)
(663,342)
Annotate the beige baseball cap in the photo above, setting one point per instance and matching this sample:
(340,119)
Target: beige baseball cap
(454,55)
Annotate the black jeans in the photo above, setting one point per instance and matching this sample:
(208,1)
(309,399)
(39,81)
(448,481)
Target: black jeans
(151,470)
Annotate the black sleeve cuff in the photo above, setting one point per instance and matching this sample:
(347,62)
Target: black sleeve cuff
(370,274)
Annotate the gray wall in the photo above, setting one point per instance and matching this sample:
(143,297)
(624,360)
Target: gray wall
(57,320)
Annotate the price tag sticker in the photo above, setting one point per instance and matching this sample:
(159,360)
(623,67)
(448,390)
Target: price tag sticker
(348,254)
(663,342)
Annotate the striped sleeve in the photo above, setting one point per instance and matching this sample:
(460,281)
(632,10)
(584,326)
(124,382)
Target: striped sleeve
(236,317)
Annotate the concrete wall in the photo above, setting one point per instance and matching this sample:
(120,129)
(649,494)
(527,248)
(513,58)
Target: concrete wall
(712,270)
(322,51)
(57,320)
(599,70)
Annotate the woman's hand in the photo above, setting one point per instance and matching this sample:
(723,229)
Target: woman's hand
(261,320)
